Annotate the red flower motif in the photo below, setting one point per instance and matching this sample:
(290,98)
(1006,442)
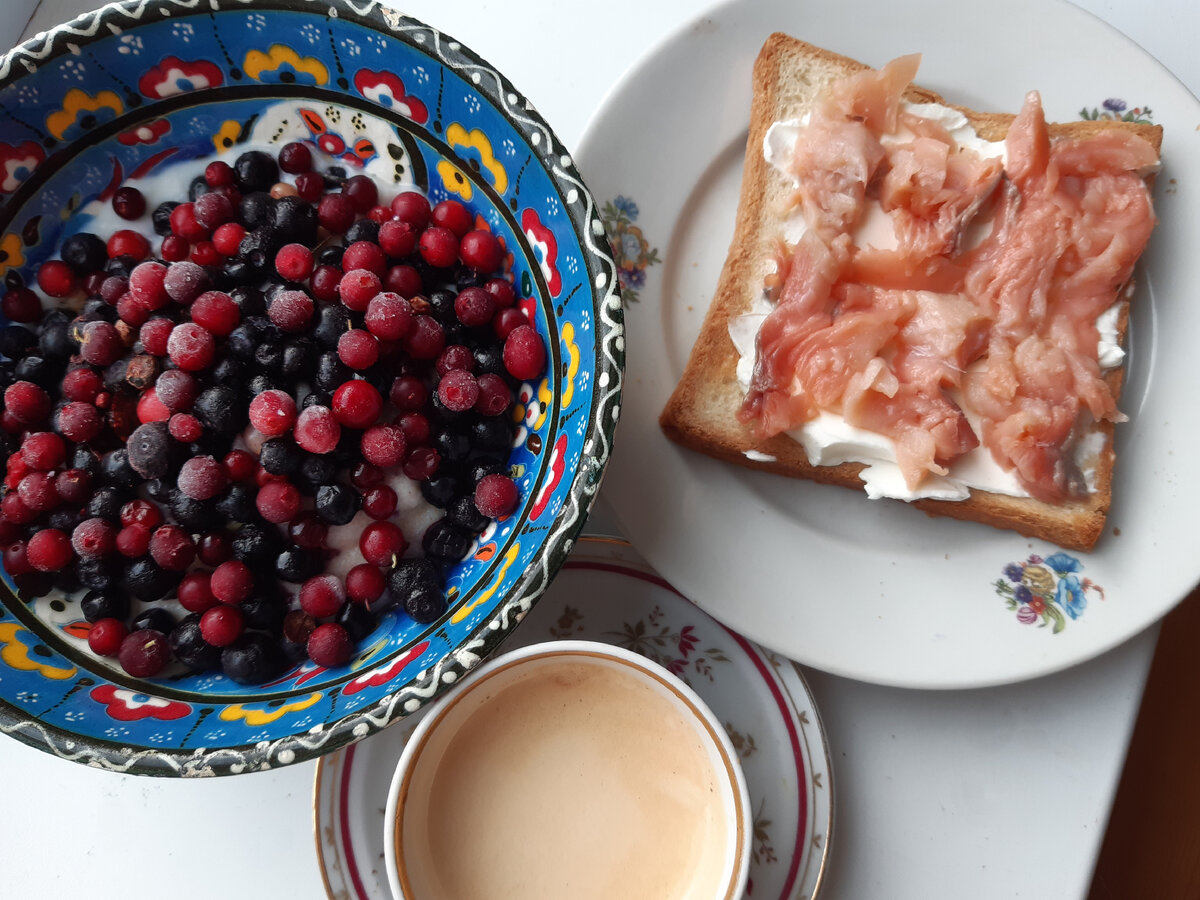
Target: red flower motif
(1037,604)
(376,677)
(558,465)
(545,246)
(129,706)
(146,133)
(387,89)
(687,640)
(174,76)
(17,163)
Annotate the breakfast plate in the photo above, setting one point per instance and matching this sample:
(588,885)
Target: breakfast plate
(874,590)
(606,593)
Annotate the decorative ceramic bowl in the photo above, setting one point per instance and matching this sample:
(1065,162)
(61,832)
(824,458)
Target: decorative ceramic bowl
(138,87)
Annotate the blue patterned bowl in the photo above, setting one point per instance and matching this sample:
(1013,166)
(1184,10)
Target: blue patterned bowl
(138,87)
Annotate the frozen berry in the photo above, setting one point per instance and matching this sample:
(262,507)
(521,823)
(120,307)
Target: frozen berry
(133,541)
(128,243)
(494,395)
(94,537)
(222,624)
(44,450)
(438,247)
(232,581)
(427,338)
(26,402)
(452,215)
(185,428)
(458,390)
(496,496)
(155,334)
(216,312)
(357,404)
(292,311)
(201,478)
(480,251)
(106,636)
(384,445)
(524,353)
(294,262)
(321,596)
(56,278)
(358,349)
(389,316)
(317,429)
(38,491)
(144,653)
(172,548)
(336,213)
(329,645)
(382,543)
(403,280)
(278,501)
(397,238)
(129,203)
(273,412)
(176,390)
(49,550)
(379,502)
(191,347)
(357,288)
(365,583)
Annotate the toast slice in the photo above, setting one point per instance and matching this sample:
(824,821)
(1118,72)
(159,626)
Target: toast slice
(702,411)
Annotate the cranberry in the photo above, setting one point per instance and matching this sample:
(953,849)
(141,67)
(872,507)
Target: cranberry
(185,428)
(409,393)
(458,390)
(496,496)
(292,311)
(357,404)
(214,548)
(128,243)
(201,478)
(227,239)
(329,645)
(141,512)
(176,390)
(397,239)
(79,422)
(154,336)
(524,353)
(358,349)
(149,408)
(144,653)
(219,173)
(411,207)
(426,339)
(389,316)
(422,463)
(38,491)
(191,347)
(129,203)
(206,254)
(172,548)
(278,501)
(308,531)
(361,191)
(506,320)
(456,356)
(323,283)
(480,251)
(438,246)
(101,344)
(416,428)
(494,395)
(74,487)
(94,537)
(82,385)
(113,288)
(185,224)
(14,509)
(452,215)
(321,595)
(239,465)
(49,550)
(222,624)
(335,212)
(273,412)
(16,559)
(44,450)
(133,541)
(21,305)
(26,402)
(132,311)
(56,278)
(211,211)
(232,581)
(357,288)
(380,502)
(382,543)
(217,312)
(474,307)
(195,592)
(317,429)
(295,158)
(174,249)
(364,255)
(294,262)
(106,636)
(380,213)
(310,186)
(403,280)
(365,583)
(383,445)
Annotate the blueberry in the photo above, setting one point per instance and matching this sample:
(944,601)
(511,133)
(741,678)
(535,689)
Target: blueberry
(251,659)
(464,514)
(317,470)
(255,209)
(242,342)
(84,252)
(237,504)
(491,433)
(106,504)
(453,446)
(158,489)
(255,170)
(299,354)
(121,266)
(334,176)
(489,358)
(331,255)
(198,187)
(281,456)
(357,619)
(39,370)
(443,306)
(53,342)
(106,604)
(194,515)
(16,341)
(249,300)
(116,377)
(440,490)
(337,504)
(144,580)
(148,450)
(264,382)
(161,217)
(316,398)
(444,541)
(295,564)
(264,613)
(155,618)
(331,372)
(296,220)
(218,408)
(235,272)
(94,574)
(67,580)
(363,230)
(481,465)
(425,605)
(269,358)
(258,248)
(230,370)
(255,545)
(411,573)
(189,645)
(332,322)
(116,470)
(33,584)
(97,309)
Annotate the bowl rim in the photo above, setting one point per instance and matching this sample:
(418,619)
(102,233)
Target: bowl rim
(579,495)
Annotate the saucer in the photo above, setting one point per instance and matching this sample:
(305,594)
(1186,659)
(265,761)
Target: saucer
(605,592)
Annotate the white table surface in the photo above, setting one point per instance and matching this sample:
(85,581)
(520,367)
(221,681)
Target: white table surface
(997,793)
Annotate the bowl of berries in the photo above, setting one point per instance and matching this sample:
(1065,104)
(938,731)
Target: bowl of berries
(310,361)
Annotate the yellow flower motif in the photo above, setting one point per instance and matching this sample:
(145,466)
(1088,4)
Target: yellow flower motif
(454,179)
(11,254)
(78,101)
(486,595)
(545,395)
(458,136)
(568,337)
(256,716)
(16,654)
(280,56)
(227,134)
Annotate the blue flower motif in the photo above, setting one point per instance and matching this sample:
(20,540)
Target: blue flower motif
(1113,104)
(1070,596)
(1023,594)
(1062,563)
(634,278)
(1013,572)
(628,207)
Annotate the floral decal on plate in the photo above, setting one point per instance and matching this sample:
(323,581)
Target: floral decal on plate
(630,247)
(675,651)
(130,706)
(1047,591)
(1117,110)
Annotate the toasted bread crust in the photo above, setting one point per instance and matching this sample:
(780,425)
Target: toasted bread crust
(702,411)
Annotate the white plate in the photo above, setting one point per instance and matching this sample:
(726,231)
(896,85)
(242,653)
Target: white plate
(875,590)
(606,593)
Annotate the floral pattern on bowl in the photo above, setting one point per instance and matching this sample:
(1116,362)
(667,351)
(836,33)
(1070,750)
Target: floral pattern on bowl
(138,87)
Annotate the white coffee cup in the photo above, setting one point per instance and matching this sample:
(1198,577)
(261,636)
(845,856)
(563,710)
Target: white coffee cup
(571,770)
